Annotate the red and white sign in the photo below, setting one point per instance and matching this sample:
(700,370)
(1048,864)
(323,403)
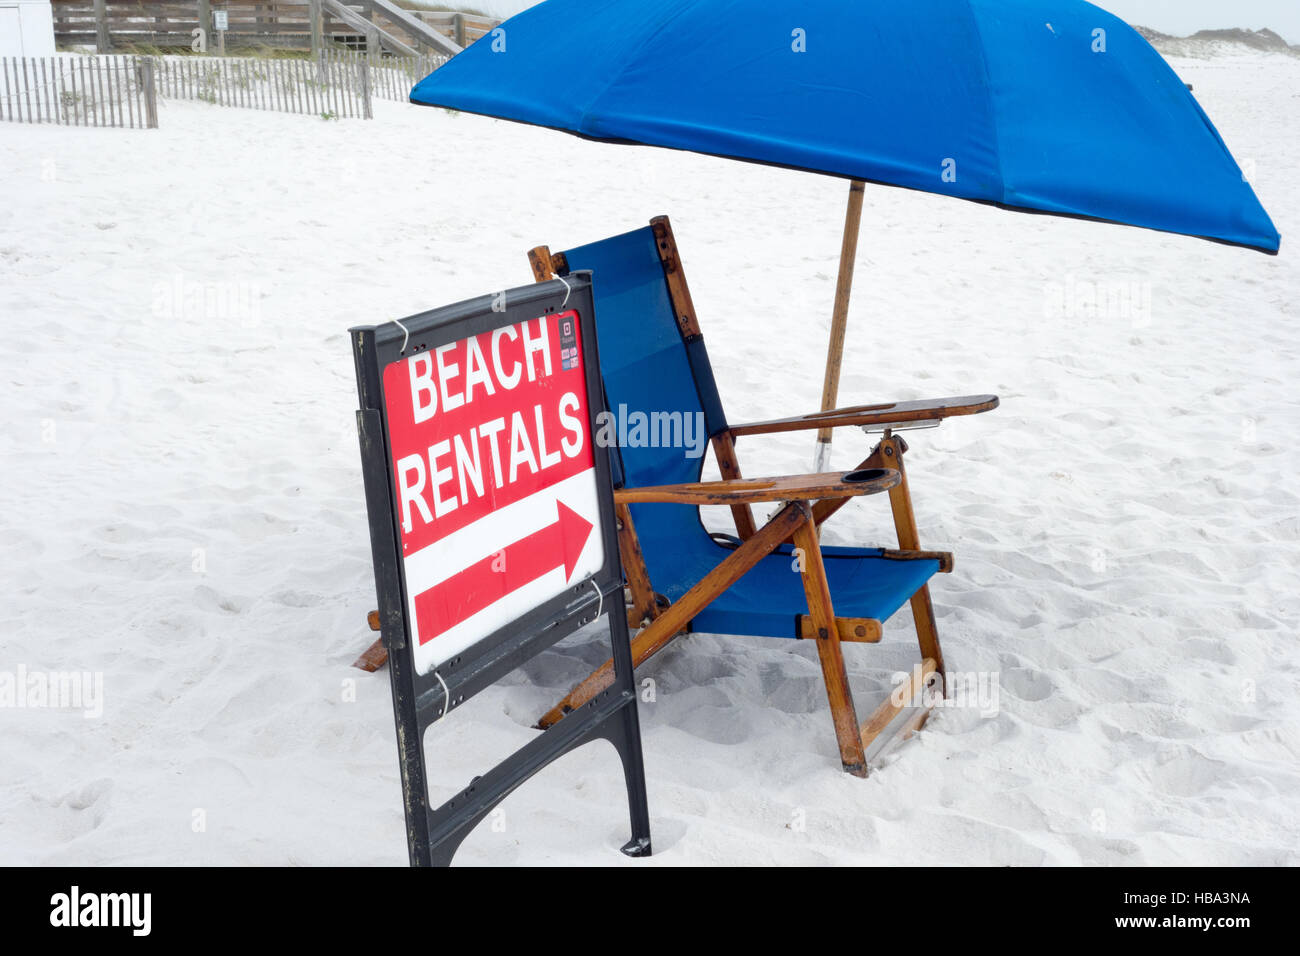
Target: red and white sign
(495,480)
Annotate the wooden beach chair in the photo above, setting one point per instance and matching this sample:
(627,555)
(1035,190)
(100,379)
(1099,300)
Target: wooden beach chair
(775,580)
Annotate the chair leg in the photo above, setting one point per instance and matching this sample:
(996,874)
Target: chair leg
(376,655)
(644,608)
(372,658)
(927,632)
(673,619)
(891,450)
(820,609)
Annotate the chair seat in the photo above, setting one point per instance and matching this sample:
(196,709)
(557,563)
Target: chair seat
(768,600)
(645,367)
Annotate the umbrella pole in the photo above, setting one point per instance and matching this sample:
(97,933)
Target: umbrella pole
(839,319)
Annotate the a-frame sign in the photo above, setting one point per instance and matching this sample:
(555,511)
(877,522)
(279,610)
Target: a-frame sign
(492,530)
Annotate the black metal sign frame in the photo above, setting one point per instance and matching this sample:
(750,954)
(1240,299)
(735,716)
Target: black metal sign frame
(419,700)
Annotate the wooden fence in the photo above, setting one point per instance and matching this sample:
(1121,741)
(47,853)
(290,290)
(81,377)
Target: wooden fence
(335,87)
(395,75)
(338,84)
(372,25)
(79,90)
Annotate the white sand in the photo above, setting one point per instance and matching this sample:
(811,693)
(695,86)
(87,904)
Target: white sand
(1125,524)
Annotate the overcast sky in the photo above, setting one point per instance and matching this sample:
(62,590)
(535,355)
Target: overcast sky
(1179,17)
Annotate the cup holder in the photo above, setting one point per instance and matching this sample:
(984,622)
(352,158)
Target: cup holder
(865,474)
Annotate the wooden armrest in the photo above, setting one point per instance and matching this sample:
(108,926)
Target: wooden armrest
(889,413)
(754,490)
(943,557)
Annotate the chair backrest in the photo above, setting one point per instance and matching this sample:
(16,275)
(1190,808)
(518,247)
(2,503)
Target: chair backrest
(654,378)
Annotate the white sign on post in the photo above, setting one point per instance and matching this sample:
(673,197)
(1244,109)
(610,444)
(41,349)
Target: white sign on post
(221,19)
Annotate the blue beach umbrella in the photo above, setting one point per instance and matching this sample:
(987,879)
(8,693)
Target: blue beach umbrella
(1050,106)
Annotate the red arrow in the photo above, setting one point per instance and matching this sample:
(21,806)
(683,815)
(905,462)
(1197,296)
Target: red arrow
(485,582)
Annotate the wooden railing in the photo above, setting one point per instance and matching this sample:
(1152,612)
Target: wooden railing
(464,28)
(372,25)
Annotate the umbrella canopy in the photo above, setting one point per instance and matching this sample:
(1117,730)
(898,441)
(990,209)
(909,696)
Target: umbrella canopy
(1050,106)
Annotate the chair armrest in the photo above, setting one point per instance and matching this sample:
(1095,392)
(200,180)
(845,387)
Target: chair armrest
(889,413)
(754,490)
